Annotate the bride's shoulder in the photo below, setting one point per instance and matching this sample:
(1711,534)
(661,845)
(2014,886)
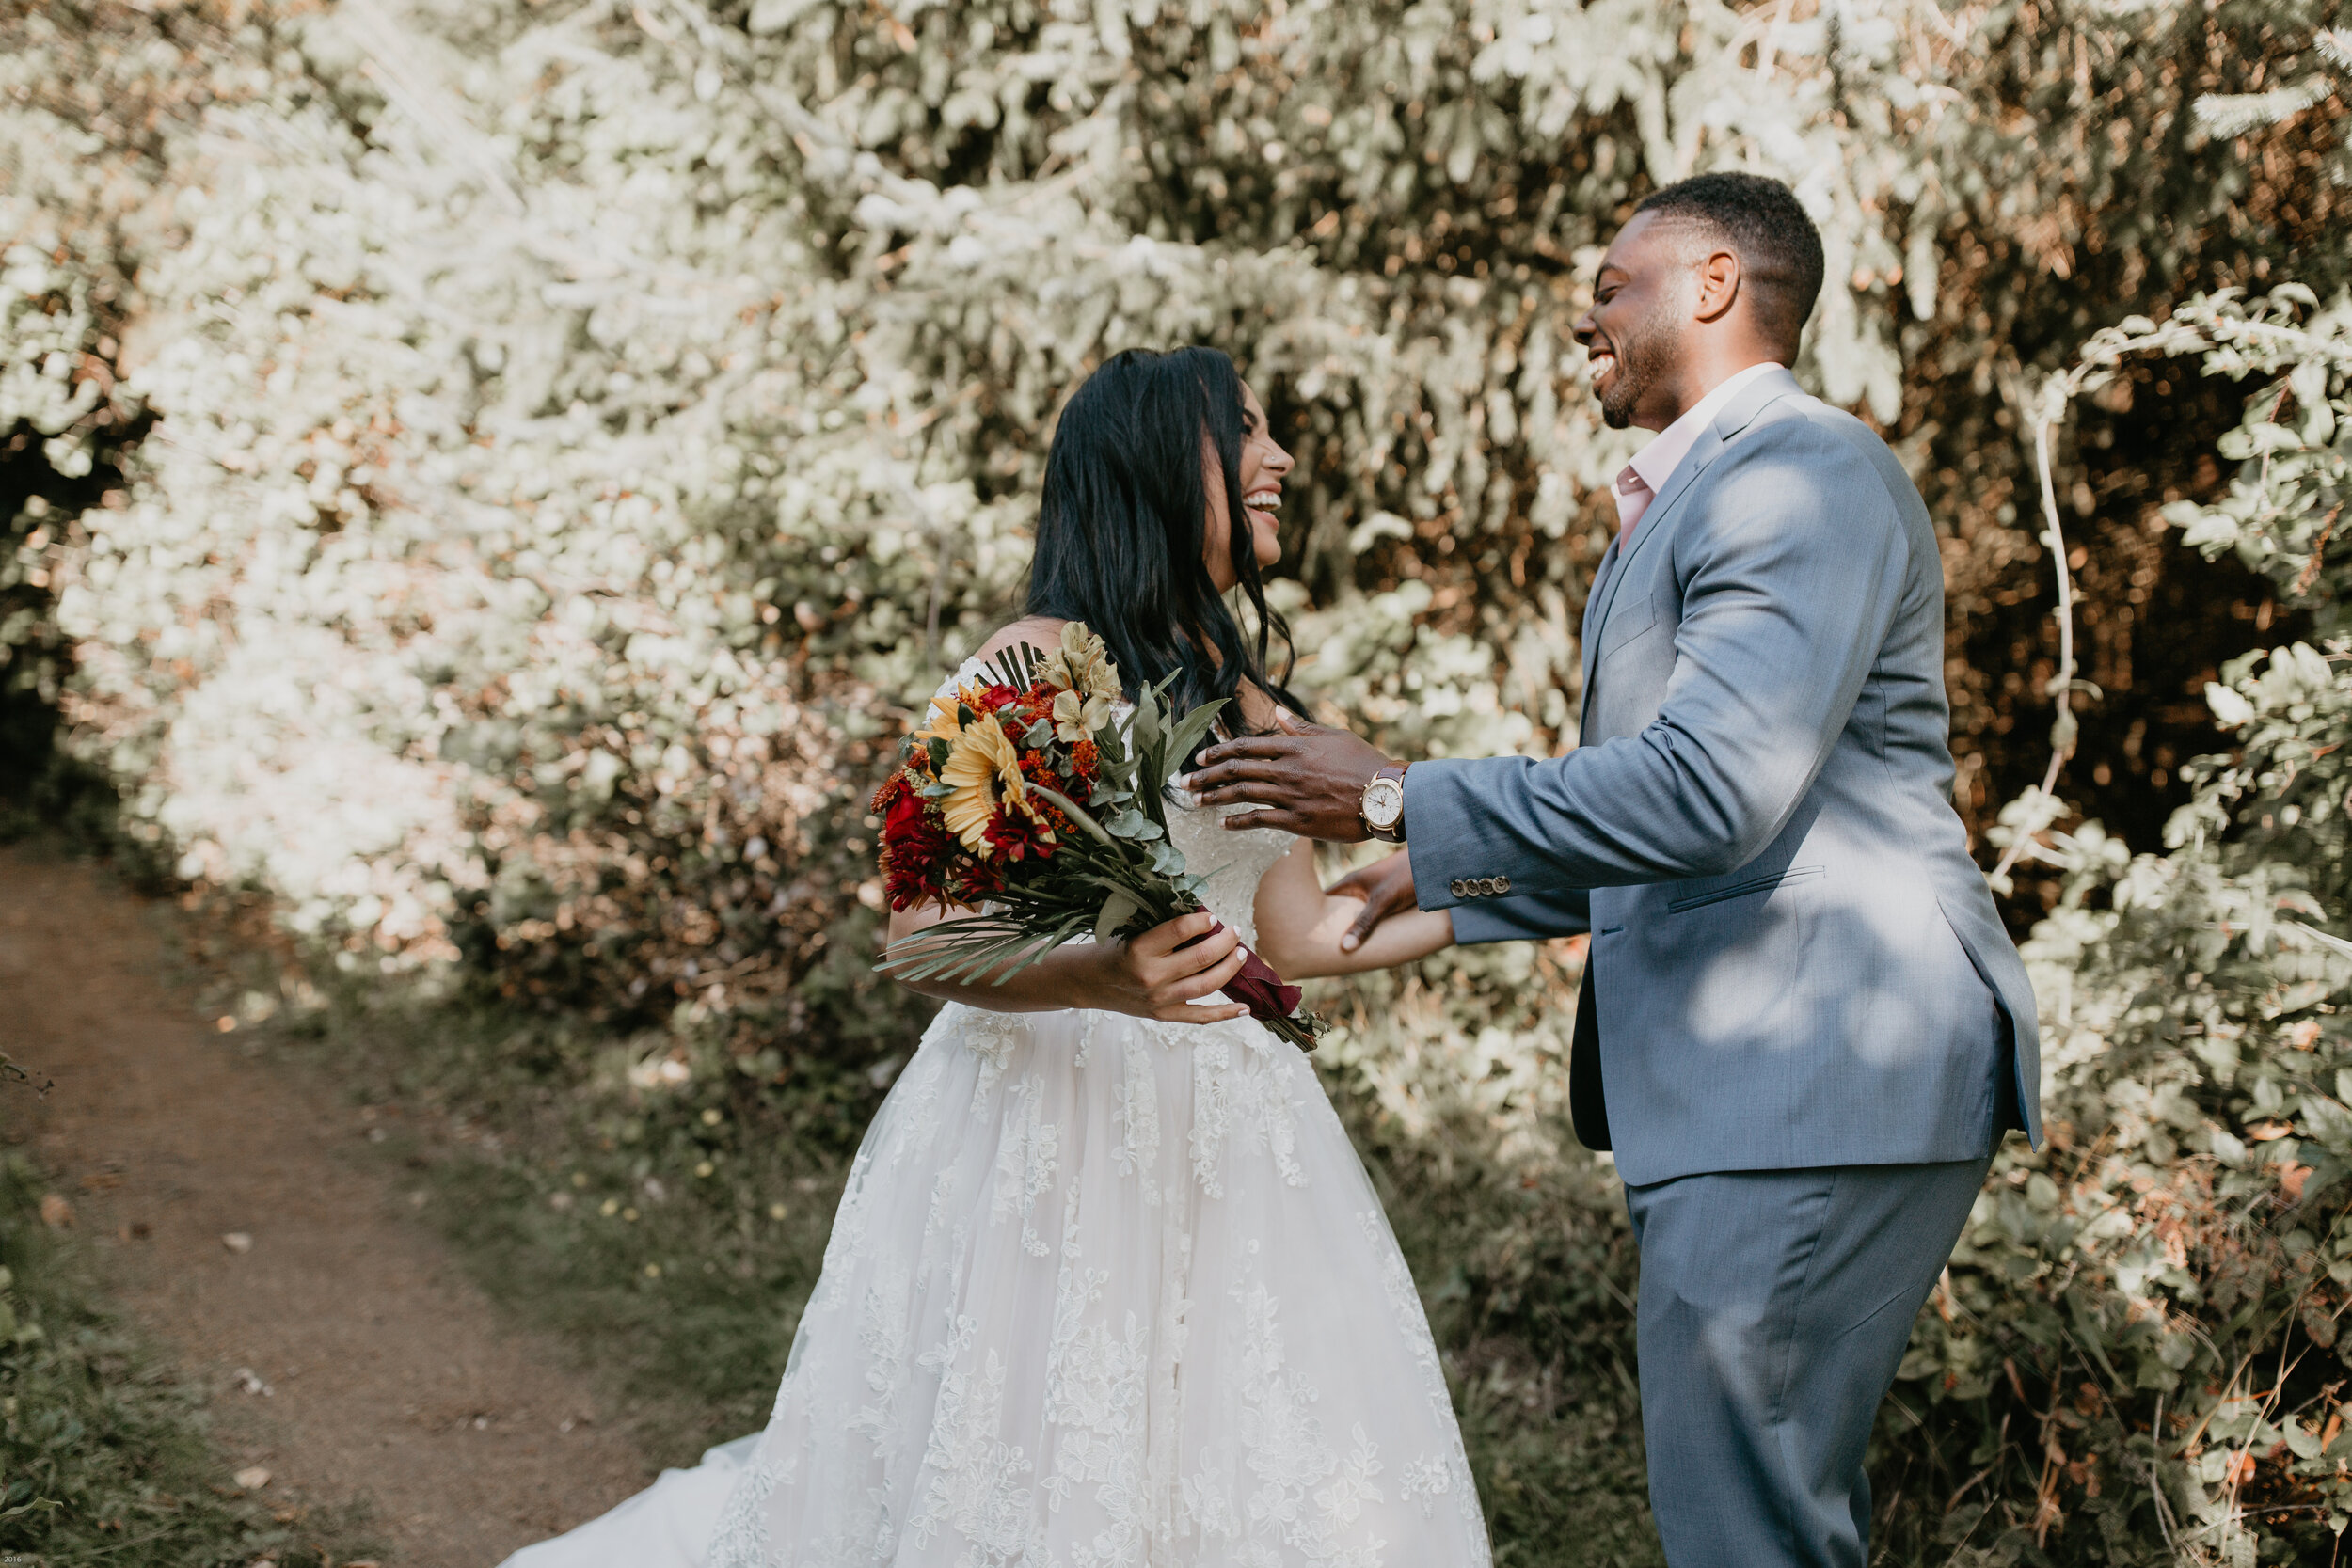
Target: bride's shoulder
(1042,632)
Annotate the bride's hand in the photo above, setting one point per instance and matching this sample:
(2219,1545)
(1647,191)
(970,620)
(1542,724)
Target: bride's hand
(1155,976)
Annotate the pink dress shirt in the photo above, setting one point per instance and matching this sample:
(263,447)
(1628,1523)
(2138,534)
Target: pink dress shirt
(1640,482)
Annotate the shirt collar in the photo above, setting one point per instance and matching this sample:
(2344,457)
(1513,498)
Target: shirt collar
(1657,462)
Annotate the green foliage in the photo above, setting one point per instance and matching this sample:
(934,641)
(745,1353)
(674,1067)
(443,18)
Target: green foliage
(2136,1345)
(1527,1273)
(578,430)
(2286,507)
(103,1455)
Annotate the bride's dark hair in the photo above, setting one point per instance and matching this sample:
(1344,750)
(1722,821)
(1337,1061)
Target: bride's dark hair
(1124,522)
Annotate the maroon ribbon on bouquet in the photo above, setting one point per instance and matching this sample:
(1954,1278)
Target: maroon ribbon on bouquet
(1257,987)
(1261,991)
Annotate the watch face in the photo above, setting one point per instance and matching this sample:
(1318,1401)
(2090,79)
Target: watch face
(1384,803)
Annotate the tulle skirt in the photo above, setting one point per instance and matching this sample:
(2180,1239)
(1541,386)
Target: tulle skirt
(1102,1293)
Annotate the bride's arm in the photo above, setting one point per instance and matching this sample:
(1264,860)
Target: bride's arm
(1299,926)
(1143,975)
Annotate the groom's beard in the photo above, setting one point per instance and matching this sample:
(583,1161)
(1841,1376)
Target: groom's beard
(1644,355)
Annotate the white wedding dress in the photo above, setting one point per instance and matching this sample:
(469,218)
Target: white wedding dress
(1102,1292)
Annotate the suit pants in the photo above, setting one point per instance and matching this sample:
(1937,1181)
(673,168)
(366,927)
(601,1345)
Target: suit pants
(1774,1308)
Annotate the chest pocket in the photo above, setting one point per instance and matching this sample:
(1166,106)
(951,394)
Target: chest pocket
(1627,620)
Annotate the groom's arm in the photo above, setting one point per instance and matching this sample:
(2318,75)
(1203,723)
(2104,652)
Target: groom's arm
(1386,888)
(1548,914)
(1794,576)
(1791,574)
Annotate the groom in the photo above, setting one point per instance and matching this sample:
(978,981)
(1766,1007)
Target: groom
(1803,1030)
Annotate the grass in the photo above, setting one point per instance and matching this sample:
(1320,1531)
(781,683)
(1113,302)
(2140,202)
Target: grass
(105,1459)
(1525,1276)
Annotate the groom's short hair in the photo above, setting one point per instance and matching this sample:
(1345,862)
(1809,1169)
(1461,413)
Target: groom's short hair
(1779,250)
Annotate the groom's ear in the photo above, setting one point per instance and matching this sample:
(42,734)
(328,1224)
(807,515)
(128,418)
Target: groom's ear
(1719,276)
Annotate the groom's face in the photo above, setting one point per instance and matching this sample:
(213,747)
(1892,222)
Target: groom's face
(1633,331)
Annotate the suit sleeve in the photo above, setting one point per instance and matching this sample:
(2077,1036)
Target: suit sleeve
(1556,914)
(1793,564)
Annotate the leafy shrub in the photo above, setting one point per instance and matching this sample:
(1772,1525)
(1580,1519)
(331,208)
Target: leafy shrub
(573,434)
(2135,1355)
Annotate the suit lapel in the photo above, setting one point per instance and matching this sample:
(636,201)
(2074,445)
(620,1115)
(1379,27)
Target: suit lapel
(1590,635)
(1737,416)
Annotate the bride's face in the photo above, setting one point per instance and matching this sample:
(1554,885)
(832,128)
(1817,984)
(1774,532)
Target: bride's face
(1263,465)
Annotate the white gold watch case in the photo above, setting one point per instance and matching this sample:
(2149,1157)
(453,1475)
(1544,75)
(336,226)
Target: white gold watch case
(1384,803)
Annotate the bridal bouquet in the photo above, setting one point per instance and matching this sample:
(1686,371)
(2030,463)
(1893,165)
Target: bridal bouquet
(1029,793)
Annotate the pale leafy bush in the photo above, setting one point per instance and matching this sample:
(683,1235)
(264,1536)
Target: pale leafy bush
(2147,1314)
(574,435)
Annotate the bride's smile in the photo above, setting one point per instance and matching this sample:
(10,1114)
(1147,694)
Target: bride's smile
(1261,467)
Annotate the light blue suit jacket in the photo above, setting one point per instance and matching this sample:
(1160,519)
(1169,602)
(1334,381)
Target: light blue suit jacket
(1794,961)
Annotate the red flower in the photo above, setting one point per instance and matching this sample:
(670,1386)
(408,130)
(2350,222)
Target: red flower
(996,699)
(906,886)
(1014,836)
(914,844)
(977,882)
(1263,992)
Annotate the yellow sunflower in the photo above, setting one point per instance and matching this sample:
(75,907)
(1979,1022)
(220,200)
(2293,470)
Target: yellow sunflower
(946,720)
(983,771)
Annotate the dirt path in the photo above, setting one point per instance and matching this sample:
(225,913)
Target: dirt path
(389,1379)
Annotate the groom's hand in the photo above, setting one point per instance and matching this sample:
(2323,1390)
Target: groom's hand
(1386,886)
(1304,777)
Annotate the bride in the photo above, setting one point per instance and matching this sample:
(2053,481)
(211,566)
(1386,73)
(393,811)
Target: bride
(1108,1286)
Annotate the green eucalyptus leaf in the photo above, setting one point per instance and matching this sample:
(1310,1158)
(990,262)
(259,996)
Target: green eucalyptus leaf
(1131,823)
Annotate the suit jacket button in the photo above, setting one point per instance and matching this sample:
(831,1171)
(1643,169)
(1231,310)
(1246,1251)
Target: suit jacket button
(1502,885)
(1459,888)
(1487,884)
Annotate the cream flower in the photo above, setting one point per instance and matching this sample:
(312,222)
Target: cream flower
(983,769)
(1076,717)
(1081,665)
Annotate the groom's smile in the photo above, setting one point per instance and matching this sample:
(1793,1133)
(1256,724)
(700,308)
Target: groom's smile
(1603,364)
(1633,329)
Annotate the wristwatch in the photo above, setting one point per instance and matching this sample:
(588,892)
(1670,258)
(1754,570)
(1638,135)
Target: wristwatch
(1383,805)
